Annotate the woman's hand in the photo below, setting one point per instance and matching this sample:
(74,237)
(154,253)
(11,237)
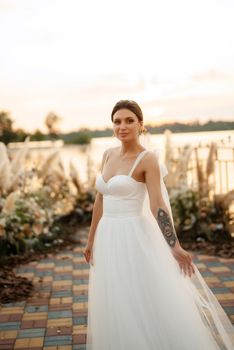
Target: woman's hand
(184,259)
(88,253)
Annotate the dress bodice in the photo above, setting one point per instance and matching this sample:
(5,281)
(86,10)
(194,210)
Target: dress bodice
(122,194)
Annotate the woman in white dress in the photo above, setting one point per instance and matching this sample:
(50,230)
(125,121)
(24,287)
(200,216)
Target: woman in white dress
(144,291)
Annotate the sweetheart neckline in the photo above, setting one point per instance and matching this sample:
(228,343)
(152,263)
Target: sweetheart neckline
(130,177)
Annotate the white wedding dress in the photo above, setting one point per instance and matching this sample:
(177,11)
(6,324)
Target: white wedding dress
(138,298)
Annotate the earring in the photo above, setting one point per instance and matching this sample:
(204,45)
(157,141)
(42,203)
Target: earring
(143,130)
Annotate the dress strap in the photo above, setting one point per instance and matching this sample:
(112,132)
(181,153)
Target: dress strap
(137,160)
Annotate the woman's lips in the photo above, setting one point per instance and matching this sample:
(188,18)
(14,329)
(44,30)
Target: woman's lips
(123,134)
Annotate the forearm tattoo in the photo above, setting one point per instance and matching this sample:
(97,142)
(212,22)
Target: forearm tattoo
(166,227)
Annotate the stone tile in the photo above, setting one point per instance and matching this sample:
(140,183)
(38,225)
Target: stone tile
(31,333)
(55,301)
(7,344)
(79,329)
(28,275)
(225,297)
(27,324)
(59,314)
(36,342)
(58,340)
(60,322)
(60,307)
(12,310)
(4,318)
(211,279)
(220,290)
(34,316)
(79,347)
(207,273)
(40,323)
(62,277)
(228,283)
(39,308)
(226,278)
(59,330)
(79,339)
(214,263)
(22,343)
(66,300)
(62,283)
(17,317)
(80,320)
(80,306)
(8,334)
(9,326)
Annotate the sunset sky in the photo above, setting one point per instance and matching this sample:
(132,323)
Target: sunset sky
(78,58)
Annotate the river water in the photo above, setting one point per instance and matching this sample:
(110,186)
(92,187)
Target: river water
(90,156)
(86,157)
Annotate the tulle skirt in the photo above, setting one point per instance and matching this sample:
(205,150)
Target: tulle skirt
(138,298)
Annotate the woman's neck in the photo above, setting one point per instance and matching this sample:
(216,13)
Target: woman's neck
(130,148)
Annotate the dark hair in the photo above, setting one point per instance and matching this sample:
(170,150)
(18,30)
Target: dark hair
(128,104)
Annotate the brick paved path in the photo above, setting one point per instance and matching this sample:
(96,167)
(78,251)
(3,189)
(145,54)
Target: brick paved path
(55,317)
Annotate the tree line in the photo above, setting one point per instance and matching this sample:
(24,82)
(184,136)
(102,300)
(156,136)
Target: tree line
(84,135)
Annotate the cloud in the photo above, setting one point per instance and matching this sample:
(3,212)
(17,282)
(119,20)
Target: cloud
(203,108)
(8,5)
(213,75)
(108,85)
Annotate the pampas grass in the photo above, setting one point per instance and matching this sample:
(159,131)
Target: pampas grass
(48,162)
(18,162)
(91,174)
(9,204)
(169,157)
(10,172)
(5,169)
(57,175)
(210,165)
(177,167)
(182,166)
(226,199)
(18,170)
(200,176)
(75,177)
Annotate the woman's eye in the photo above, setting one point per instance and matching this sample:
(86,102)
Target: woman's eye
(128,121)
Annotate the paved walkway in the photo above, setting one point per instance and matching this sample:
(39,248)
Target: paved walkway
(55,317)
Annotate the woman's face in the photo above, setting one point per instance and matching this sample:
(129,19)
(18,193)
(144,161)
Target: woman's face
(126,125)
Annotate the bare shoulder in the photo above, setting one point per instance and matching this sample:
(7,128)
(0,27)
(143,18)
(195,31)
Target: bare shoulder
(150,158)
(112,149)
(150,162)
(107,153)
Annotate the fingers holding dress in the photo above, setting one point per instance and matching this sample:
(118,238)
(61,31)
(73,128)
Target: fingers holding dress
(184,260)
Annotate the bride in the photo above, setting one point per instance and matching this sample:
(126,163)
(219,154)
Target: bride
(145,292)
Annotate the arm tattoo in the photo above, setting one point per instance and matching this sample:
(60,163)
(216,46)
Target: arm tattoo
(166,227)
